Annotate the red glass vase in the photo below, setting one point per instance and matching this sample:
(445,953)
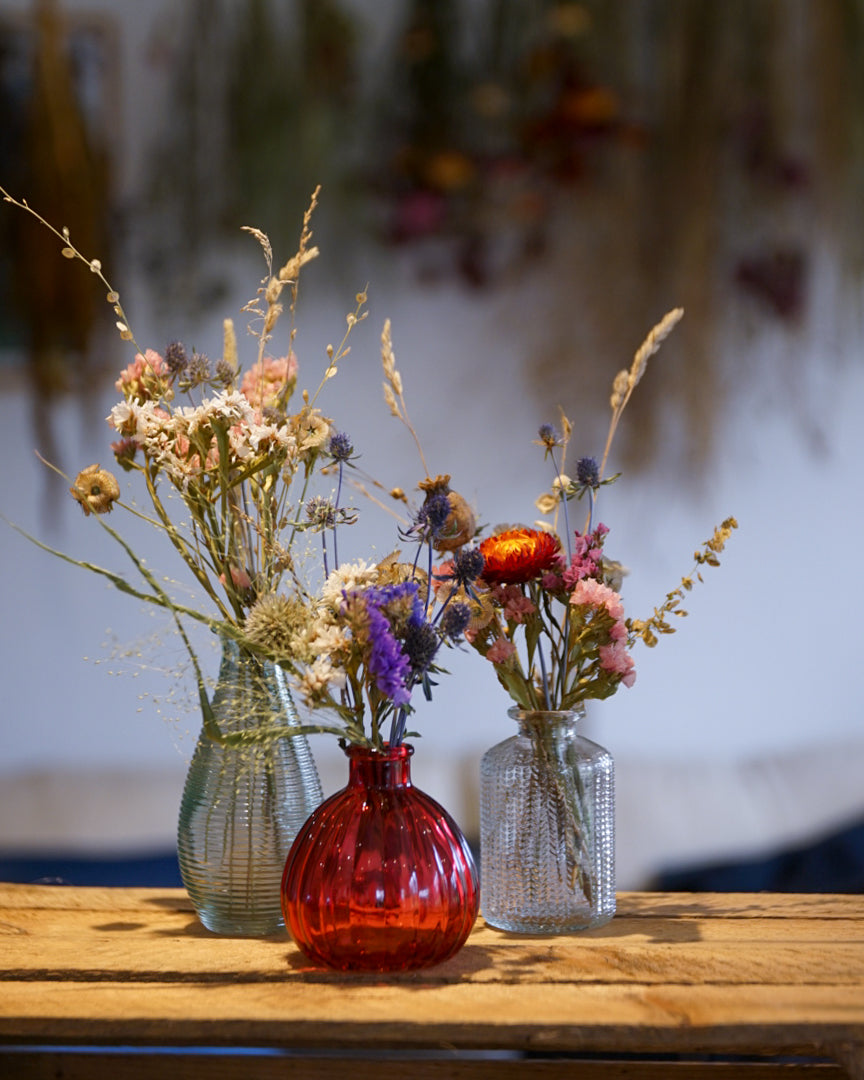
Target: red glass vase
(380,878)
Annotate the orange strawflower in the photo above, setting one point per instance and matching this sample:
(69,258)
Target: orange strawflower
(518,555)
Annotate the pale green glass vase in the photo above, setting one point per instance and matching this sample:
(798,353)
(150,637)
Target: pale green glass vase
(243,805)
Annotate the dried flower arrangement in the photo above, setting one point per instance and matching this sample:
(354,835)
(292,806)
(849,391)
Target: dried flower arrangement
(558,598)
(243,465)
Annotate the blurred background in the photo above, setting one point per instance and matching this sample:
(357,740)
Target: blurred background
(527,186)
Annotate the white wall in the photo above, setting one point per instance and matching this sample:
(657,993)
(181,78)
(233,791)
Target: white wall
(766,665)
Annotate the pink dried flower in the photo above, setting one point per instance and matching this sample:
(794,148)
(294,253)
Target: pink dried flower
(595,594)
(239,578)
(516,606)
(500,650)
(617,659)
(270,381)
(142,379)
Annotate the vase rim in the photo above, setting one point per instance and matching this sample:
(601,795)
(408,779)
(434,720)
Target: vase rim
(386,753)
(577,712)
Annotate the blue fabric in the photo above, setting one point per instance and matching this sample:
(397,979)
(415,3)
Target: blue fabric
(833,864)
(154,871)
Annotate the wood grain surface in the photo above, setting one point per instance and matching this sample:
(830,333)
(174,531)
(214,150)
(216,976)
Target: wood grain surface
(759,984)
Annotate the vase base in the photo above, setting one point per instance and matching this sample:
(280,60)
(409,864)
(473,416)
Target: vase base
(388,954)
(549,924)
(241,924)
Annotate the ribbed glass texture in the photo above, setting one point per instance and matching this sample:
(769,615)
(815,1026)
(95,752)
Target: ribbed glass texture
(380,878)
(242,806)
(547,828)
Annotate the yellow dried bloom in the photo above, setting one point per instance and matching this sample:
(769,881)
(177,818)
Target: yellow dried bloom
(393,572)
(546,503)
(95,489)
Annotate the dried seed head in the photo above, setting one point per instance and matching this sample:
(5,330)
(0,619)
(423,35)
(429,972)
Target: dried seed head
(95,489)
(461,524)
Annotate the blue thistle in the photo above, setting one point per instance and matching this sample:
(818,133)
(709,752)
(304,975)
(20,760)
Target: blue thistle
(420,644)
(321,513)
(432,516)
(587,473)
(468,566)
(548,436)
(455,620)
(340,448)
(176,358)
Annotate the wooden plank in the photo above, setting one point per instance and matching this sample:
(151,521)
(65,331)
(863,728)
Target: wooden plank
(732,964)
(666,905)
(23,920)
(366,1012)
(671,973)
(51,943)
(92,898)
(119,1066)
(742,905)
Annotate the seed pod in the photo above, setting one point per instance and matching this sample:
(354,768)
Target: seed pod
(95,489)
(461,524)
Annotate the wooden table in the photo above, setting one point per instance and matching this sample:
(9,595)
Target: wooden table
(110,982)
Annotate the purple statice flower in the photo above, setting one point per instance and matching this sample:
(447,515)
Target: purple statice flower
(400,601)
(387,663)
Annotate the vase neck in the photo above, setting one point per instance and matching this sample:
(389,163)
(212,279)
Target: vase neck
(549,721)
(387,768)
(248,693)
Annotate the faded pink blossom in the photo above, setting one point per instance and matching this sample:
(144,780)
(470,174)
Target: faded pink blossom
(442,581)
(595,594)
(515,605)
(239,578)
(578,570)
(587,556)
(125,451)
(500,650)
(617,659)
(138,378)
(265,382)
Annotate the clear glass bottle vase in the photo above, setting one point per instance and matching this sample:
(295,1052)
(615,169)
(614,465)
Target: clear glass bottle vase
(547,827)
(243,805)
